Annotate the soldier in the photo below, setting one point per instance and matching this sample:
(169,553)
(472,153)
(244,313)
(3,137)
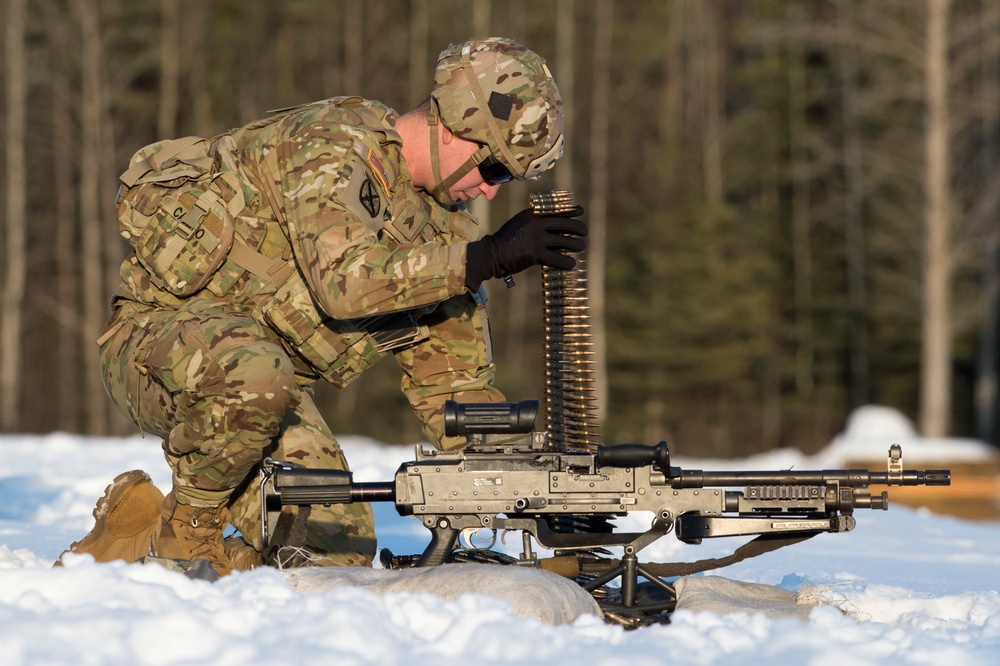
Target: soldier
(307,246)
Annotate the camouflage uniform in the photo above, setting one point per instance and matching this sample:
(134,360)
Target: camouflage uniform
(294,249)
(340,262)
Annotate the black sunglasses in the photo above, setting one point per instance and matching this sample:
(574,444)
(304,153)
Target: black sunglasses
(494,172)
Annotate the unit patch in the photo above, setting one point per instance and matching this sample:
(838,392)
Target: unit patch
(369,198)
(364,197)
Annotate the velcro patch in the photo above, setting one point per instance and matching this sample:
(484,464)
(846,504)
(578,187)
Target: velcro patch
(407,223)
(501,105)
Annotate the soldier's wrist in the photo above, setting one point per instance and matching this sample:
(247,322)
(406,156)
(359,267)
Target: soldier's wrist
(478,263)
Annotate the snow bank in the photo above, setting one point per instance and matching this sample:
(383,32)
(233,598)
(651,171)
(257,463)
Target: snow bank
(906,587)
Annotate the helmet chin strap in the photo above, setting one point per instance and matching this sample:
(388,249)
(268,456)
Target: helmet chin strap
(441,191)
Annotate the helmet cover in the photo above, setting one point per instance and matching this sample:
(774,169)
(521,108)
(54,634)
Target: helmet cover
(498,93)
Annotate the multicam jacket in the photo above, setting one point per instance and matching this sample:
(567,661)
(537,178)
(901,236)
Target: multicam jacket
(340,257)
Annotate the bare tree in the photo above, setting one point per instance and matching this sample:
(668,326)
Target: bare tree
(936,379)
(565,73)
(67,256)
(801,214)
(986,389)
(92,229)
(598,209)
(853,208)
(16,207)
(170,68)
(196,22)
(419,52)
(353,47)
(710,62)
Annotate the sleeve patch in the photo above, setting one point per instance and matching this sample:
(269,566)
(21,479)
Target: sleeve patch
(378,170)
(406,224)
(366,196)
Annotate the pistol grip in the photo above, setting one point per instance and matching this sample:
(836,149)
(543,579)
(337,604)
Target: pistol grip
(443,540)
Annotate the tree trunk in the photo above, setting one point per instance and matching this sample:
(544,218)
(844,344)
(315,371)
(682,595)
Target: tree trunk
(802,263)
(420,59)
(599,187)
(91,227)
(986,389)
(67,255)
(353,48)
(711,62)
(114,247)
(936,380)
(854,232)
(170,69)
(197,28)
(564,73)
(15,241)
(253,92)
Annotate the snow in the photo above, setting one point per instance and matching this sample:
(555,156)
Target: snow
(907,586)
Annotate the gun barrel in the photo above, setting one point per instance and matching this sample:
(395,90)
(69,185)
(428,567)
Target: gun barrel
(374,491)
(845,477)
(913,477)
(301,486)
(382,491)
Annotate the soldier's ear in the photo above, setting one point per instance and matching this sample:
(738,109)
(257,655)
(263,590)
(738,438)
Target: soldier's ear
(446,135)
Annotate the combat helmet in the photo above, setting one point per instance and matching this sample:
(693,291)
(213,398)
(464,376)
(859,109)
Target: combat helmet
(500,94)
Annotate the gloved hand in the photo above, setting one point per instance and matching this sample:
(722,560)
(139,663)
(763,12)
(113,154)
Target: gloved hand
(523,241)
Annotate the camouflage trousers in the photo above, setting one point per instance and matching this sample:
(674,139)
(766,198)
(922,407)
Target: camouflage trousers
(223,396)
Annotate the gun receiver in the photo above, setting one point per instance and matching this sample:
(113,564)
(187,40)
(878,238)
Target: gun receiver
(510,477)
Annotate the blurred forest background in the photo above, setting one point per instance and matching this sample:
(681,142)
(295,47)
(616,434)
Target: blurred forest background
(793,203)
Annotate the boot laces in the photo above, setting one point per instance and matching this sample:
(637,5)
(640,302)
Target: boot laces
(205,535)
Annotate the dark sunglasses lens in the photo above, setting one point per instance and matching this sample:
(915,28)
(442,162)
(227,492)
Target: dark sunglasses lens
(494,172)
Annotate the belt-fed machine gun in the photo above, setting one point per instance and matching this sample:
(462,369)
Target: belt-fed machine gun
(511,477)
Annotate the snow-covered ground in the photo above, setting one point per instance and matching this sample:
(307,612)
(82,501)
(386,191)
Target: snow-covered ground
(916,587)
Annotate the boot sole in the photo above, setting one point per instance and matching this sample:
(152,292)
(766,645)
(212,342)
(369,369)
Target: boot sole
(114,496)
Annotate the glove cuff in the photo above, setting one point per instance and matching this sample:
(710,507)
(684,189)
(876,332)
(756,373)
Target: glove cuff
(479,263)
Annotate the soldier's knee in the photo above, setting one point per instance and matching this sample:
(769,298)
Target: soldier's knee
(260,386)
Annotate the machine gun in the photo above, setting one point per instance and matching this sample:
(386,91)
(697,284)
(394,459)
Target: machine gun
(511,477)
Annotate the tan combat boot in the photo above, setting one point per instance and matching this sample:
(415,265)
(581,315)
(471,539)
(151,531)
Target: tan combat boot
(126,518)
(192,533)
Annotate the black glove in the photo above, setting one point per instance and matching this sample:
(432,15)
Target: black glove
(523,241)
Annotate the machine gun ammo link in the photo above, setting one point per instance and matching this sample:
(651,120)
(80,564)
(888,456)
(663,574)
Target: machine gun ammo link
(570,401)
